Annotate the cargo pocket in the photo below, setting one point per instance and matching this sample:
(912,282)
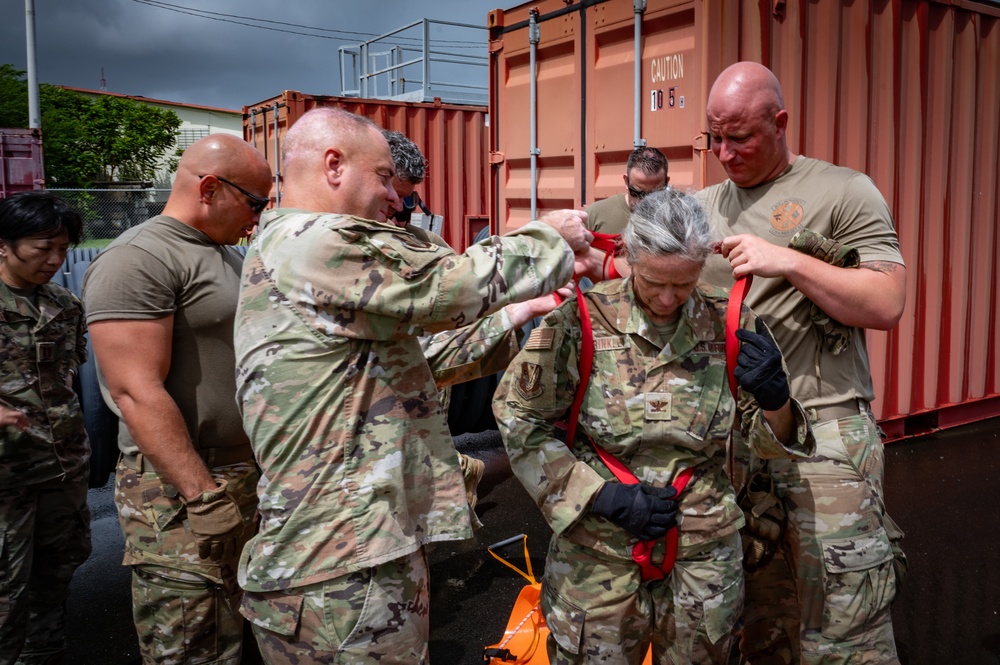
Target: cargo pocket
(607,412)
(722,610)
(276,612)
(860,582)
(899,563)
(564,619)
(160,503)
(709,418)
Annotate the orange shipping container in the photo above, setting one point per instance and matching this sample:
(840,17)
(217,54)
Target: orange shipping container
(452,138)
(907,91)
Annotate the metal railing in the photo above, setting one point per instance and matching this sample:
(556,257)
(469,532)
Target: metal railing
(398,65)
(108,212)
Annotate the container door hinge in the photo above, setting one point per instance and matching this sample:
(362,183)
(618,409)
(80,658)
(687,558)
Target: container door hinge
(497,158)
(701,142)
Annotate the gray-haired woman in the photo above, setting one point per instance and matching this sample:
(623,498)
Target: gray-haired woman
(656,400)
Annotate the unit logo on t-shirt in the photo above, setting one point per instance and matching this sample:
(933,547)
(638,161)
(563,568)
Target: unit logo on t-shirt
(787,216)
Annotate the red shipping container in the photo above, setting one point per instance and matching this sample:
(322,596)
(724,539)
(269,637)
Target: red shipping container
(21,168)
(906,91)
(451,137)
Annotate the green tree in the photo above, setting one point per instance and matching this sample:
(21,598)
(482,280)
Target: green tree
(130,138)
(13,97)
(88,140)
(70,157)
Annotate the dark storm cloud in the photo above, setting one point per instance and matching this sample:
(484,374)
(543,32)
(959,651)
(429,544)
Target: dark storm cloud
(164,53)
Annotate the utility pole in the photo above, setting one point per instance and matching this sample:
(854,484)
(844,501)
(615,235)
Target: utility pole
(34,112)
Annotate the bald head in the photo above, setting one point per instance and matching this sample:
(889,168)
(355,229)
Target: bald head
(319,128)
(747,122)
(338,162)
(221,183)
(749,83)
(222,154)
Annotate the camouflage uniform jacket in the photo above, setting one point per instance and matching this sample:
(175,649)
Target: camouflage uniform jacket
(39,349)
(339,401)
(657,411)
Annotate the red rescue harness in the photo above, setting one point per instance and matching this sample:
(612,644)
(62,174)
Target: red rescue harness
(642,552)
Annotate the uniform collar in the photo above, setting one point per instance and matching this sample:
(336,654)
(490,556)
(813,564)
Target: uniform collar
(698,321)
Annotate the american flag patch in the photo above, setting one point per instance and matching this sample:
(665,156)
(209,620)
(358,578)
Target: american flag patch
(540,339)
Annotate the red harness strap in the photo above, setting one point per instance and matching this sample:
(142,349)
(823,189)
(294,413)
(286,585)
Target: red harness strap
(611,245)
(642,551)
(733,310)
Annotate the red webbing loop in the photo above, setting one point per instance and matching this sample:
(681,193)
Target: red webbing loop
(611,245)
(642,552)
(607,242)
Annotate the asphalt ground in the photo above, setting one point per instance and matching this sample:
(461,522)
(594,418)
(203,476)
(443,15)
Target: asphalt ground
(940,488)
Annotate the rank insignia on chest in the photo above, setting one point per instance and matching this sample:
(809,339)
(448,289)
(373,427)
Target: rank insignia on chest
(45,352)
(529,383)
(658,406)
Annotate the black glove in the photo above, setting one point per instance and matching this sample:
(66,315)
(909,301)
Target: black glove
(643,510)
(759,370)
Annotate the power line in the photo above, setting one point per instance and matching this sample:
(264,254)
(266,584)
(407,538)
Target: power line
(241,20)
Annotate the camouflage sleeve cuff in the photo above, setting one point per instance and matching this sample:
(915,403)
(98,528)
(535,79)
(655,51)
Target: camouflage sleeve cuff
(764,445)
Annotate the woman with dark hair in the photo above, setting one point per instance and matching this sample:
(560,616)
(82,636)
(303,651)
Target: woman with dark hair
(44,519)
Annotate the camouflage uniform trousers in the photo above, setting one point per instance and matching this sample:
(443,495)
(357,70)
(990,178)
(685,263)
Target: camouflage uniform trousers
(599,611)
(185,609)
(376,615)
(826,595)
(44,538)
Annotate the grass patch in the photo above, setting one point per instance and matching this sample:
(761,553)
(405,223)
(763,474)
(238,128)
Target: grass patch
(95,242)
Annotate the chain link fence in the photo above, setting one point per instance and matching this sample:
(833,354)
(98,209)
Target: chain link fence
(108,212)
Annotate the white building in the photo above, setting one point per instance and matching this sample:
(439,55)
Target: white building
(196,121)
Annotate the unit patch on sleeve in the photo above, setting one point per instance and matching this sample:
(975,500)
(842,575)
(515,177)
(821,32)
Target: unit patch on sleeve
(540,339)
(529,383)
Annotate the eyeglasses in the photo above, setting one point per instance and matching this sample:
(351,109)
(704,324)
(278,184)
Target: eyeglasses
(257,203)
(637,194)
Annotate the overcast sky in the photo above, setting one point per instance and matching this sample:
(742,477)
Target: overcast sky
(202,51)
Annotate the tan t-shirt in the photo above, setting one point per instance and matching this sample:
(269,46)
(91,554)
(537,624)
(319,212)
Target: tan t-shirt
(838,203)
(164,267)
(608,215)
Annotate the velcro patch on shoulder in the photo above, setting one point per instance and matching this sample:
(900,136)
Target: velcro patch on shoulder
(418,245)
(612,343)
(711,347)
(529,383)
(540,339)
